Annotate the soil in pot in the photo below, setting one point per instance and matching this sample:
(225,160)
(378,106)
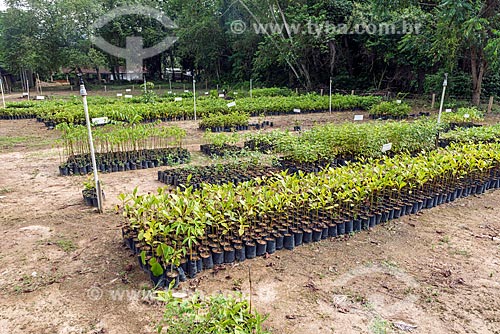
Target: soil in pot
(270,245)
(316,234)
(172,276)
(217,256)
(207,260)
(279,240)
(307,235)
(298,236)
(239,252)
(229,255)
(261,247)
(250,250)
(289,241)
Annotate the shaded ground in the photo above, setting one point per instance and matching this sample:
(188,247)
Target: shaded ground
(64,269)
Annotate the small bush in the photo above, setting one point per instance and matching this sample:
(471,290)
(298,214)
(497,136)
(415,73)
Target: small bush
(216,314)
(390,109)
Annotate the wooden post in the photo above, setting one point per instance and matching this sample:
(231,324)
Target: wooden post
(352,92)
(297,91)
(433,101)
(1,90)
(490,104)
(321,91)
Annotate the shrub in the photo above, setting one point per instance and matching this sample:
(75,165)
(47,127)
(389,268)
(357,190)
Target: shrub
(391,109)
(217,314)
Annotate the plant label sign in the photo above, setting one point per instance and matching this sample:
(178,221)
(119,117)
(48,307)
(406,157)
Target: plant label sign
(448,110)
(221,95)
(169,92)
(232,104)
(358,117)
(386,147)
(40,97)
(297,111)
(25,94)
(399,101)
(178,99)
(186,91)
(235,93)
(128,90)
(466,116)
(206,93)
(119,95)
(100,120)
(129,96)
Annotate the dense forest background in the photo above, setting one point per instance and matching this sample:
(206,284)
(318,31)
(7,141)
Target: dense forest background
(460,37)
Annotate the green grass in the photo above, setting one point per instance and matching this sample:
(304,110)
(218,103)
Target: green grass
(28,141)
(380,326)
(8,142)
(66,245)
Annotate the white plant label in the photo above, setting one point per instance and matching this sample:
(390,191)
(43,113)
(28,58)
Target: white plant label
(169,92)
(186,91)
(387,147)
(466,116)
(40,97)
(221,95)
(178,99)
(119,95)
(25,94)
(100,120)
(448,110)
(128,90)
(399,101)
(235,93)
(206,93)
(232,104)
(296,111)
(129,96)
(359,117)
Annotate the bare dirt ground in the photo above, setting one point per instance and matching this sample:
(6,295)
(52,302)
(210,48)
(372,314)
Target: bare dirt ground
(64,268)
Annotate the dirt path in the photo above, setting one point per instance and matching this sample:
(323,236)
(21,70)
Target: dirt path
(64,269)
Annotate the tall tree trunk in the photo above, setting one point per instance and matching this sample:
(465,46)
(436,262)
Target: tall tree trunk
(99,76)
(478,66)
(333,55)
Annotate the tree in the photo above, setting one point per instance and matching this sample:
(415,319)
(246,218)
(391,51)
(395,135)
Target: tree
(43,36)
(461,31)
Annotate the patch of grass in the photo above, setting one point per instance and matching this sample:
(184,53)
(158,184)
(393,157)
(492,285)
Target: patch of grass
(462,252)
(390,264)
(27,141)
(445,239)
(25,285)
(66,245)
(380,326)
(9,142)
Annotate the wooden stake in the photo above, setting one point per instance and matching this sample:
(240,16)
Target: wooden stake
(490,104)
(352,92)
(433,101)
(321,91)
